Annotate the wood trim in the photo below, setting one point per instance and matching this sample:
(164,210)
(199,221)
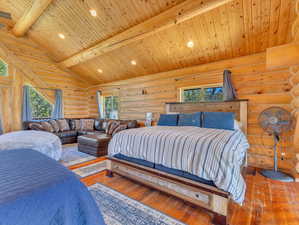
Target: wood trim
(188,182)
(171,17)
(30,16)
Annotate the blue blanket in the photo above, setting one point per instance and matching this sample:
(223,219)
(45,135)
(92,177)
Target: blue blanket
(36,190)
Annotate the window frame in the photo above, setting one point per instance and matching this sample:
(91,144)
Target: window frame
(103,97)
(182,89)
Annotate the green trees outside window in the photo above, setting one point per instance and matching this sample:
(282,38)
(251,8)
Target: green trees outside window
(41,108)
(3,68)
(111,107)
(203,94)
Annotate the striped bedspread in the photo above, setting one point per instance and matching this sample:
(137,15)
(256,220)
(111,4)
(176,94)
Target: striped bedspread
(212,154)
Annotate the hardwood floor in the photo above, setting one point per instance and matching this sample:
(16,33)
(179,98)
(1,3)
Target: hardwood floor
(267,202)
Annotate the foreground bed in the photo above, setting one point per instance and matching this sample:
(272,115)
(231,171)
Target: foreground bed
(200,165)
(36,190)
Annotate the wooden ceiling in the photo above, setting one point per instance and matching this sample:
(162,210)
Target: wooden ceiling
(237,28)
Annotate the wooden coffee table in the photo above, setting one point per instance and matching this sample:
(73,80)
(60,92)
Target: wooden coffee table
(94,144)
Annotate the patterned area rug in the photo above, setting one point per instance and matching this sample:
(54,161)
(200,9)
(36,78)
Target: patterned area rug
(71,156)
(119,209)
(90,169)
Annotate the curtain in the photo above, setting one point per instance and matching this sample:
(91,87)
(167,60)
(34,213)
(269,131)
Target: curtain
(229,93)
(100,104)
(26,109)
(1,122)
(58,107)
(1,126)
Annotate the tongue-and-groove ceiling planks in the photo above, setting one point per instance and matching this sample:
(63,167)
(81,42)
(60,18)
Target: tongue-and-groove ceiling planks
(238,28)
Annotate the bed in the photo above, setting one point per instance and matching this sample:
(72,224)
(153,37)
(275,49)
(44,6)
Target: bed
(200,165)
(41,141)
(37,190)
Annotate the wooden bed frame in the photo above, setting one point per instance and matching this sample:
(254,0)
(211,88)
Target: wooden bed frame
(205,196)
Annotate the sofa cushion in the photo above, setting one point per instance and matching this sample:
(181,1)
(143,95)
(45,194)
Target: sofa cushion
(99,124)
(82,132)
(63,125)
(87,124)
(54,125)
(64,134)
(47,126)
(130,123)
(36,126)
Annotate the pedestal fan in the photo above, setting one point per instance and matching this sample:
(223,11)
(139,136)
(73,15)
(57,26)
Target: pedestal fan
(275,121)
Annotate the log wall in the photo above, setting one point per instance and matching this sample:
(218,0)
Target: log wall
(263,88)
(28,64)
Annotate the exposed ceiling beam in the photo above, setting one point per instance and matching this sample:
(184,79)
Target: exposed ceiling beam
(175,15)
(30,16)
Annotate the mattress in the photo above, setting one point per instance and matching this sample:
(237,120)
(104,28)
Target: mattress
(162,168)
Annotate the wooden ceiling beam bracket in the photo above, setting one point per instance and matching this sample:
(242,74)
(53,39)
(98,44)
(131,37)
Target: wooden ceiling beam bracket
(173,16)
(30,17)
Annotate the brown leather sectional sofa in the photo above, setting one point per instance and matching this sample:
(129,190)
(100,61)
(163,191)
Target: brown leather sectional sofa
(68,130)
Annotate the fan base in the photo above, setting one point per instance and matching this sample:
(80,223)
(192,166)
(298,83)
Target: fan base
(277,175)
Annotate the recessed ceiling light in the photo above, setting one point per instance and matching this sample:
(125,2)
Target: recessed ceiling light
(133,62)
(100,70)
(190,44)
(93,12)
(61,36)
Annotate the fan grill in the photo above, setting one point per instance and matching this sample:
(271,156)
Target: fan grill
(275,120)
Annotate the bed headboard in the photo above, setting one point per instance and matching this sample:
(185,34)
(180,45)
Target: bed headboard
(239,107)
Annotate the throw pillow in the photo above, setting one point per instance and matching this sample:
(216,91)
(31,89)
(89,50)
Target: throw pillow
(119,128)
(112,125)
(75,124)
(47,126)
(54,125)
(218,120)
(63,125)
(193,119)
(87,124)
(168,120)
(36,126)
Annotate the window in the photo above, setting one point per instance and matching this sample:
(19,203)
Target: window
(202,94)
(41,108)
(3,68)
(111,107)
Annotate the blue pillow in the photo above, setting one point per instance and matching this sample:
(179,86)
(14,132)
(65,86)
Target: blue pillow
(190,119)
(168,120)
(218,120)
